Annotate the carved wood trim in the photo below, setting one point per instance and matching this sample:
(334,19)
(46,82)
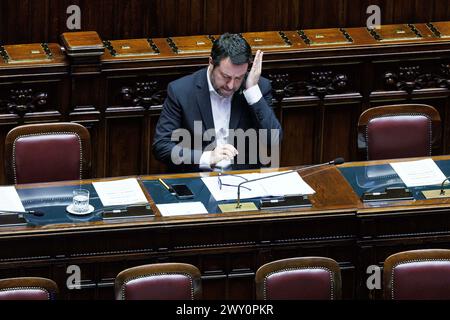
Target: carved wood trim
(320,84)
(21,101)
(144,94)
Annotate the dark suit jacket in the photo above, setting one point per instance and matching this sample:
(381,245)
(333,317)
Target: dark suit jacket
(187,101)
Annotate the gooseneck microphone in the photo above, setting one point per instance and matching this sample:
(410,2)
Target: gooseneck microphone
(332,162)
(442,193)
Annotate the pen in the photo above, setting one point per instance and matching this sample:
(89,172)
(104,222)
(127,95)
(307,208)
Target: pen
(115,211)
(166,186)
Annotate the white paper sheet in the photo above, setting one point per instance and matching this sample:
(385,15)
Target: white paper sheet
(181,209)
(120,192)
(419,173)
(287,184)
(10,200)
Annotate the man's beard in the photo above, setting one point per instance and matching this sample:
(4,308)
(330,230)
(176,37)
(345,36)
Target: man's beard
(218,90)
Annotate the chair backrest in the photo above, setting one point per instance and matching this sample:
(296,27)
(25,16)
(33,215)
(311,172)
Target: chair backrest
(398,131)
(47,152)
(28,288)
(159,281)
(304,278)
(417,275)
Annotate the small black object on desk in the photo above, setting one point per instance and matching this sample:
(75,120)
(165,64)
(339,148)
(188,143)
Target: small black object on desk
(283,202)
(17,217)
(393,193)
(131,211)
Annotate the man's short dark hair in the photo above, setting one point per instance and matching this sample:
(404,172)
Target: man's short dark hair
(233,46)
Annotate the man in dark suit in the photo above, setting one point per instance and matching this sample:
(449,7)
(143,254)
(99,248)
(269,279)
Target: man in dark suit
(220,116)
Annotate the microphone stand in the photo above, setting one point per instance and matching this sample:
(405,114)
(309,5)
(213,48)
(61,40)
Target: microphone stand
(238,202)
(436,194)
(442,193)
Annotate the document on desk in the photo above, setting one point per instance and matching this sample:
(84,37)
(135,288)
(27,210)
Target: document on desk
(181,209)
(287,184)
(10,200)
(419,173)
(120,192)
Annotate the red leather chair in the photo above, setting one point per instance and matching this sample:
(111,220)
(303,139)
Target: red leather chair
(160,281)
(28,288)
(398,131)
(417,275)
(305,278)
(47,152)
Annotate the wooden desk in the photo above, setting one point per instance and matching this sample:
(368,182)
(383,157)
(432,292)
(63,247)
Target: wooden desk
(389,227)
(227,248)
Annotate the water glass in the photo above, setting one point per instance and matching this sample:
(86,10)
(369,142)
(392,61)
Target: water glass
(80,202)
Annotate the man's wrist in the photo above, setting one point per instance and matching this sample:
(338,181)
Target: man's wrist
(205,161)
(253,94)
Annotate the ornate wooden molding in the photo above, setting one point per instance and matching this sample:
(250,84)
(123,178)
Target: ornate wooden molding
(413,78)
(444,80)
(144,94)
(21,101)
(325,83)
(279,83)
(320,84)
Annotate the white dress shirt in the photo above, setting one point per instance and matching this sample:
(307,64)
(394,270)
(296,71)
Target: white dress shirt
(221,112)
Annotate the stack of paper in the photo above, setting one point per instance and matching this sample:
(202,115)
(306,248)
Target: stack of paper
(287,184)
(9,200)
(419,173)
(120,192)
(181,209)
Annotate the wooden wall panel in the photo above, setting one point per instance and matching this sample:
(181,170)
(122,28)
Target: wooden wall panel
(339,136)
(179,17)
(124,146)
(441,10)
(298,122)
(124,12)
(225,16)
(153,166)
(272,15)
(30,21)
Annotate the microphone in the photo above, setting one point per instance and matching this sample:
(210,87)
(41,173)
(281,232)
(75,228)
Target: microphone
(436,194)
(442,192)
(36,213)
(17,217)
(332,162)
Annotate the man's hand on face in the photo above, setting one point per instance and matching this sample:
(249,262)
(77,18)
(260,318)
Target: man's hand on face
(255,71)
(222,152)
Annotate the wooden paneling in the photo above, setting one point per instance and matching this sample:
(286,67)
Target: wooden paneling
(319,92)
(45,20)
(339,136)
(124,146)
(298,121)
